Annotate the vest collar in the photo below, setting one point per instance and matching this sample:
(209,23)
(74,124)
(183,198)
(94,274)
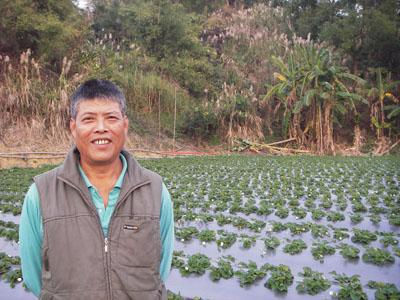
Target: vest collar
(134,177)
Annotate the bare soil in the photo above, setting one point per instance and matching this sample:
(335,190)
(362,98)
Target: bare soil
(30,147)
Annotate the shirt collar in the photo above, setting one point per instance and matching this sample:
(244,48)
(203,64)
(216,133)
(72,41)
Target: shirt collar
(118,184)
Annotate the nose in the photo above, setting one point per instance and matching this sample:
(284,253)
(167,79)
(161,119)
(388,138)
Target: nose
(101,125)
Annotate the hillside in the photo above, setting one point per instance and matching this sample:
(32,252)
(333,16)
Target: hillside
(323,75)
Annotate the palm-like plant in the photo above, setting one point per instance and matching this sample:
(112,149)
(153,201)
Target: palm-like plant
(377,95)
(313,89)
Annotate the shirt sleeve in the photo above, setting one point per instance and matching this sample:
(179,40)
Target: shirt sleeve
(30,241)
(167,233)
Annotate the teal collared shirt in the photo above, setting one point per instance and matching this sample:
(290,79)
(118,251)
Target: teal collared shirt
(105,212)
(31,228)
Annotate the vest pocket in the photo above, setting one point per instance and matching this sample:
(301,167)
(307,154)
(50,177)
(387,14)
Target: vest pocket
(139,241)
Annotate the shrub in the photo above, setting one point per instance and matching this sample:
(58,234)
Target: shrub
(200,123)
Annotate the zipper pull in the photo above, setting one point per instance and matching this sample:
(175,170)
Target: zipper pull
(106,245)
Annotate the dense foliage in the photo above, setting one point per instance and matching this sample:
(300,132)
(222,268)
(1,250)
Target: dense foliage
(317,71)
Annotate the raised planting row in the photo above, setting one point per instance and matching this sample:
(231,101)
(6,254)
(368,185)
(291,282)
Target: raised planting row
(280,277)
(332,240)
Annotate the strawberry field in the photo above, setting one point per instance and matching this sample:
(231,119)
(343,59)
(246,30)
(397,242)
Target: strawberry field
(251,227)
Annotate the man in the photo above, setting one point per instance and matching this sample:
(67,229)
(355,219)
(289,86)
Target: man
(99,226)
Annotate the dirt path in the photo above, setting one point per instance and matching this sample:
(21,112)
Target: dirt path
(29,152)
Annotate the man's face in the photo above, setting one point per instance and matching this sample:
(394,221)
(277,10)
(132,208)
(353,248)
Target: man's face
(99,131)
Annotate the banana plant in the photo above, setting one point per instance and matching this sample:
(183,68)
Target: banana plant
(313,90)
(378,94)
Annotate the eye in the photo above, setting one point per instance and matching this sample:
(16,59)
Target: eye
(87,119)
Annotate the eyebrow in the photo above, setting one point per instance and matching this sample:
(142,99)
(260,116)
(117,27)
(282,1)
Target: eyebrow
(105,113)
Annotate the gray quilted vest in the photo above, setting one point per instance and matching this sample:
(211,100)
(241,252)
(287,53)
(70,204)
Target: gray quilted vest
(78,262)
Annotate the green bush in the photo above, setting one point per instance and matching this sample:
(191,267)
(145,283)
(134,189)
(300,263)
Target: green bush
(200,123)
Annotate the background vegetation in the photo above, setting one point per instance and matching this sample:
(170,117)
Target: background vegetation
(322,72)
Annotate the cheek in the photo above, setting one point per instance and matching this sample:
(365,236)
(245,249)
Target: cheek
(82,135)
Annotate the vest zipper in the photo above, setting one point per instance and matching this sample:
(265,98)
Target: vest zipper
(105,245)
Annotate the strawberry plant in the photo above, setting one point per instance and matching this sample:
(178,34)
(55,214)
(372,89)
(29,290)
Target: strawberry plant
(326,203)
(223,269)
(272,243)
(296,228)
(350,287)
(356,218)
(321,249)
(295,247)
(186,234)
(196,264)
(363,236)
(348,251)
(384,291)
(375,218)
(358,207)
(278,226)
(178,259)
(264,209)
(281,278)
(300,213)
(247,241)
(249,273)
(377,256)
(313,282)
(206,235)
(394,218)
(256,225)
(319,231)
(340,233)
(9,230)
(226,239)
(335,216)
(282,212)
(388,239)
(240,222)
(13,277)
(8,274)
(317,214)
(173,296)
(223,220)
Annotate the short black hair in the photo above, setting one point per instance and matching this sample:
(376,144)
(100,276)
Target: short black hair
(97,89)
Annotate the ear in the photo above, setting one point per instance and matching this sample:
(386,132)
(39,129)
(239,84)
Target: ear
(72,127)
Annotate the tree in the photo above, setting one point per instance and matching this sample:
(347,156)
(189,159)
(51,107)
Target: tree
(51,29)
(313,90)
(167,34)
(367,32)
(381,97)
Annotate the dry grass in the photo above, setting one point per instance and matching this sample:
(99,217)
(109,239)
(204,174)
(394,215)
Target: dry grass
(33,99)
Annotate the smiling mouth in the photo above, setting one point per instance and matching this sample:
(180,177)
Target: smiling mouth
(101,142)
